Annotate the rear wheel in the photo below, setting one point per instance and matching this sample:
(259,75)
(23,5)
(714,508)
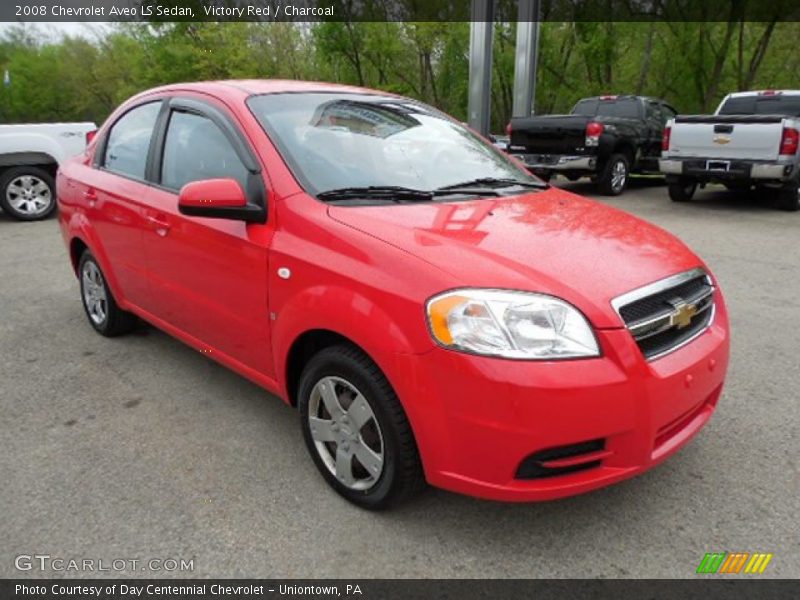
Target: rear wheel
(104,315)
(789,197)
(613,178)
(356,430)
(682,190)
(27,193)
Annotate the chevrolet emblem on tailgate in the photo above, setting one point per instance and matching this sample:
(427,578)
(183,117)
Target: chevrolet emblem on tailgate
(683,313)
(722,139)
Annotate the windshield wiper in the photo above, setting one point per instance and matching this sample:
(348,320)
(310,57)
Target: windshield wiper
(495,182)
(396,193)
(377,192)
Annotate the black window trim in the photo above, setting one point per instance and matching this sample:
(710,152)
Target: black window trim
(98,160)
(256,193)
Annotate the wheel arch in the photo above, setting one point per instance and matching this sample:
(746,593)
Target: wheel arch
(82,238)
(627,149)
(304,347)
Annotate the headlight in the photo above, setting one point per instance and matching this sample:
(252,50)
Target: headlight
(510,324)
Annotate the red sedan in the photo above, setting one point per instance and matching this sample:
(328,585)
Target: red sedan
(434,312)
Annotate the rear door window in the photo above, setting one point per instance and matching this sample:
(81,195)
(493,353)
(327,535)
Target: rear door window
(128,142)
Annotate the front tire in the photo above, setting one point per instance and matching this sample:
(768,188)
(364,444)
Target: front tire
(27,193)
(104,315)
(614,176)
(356,430)
(682,191)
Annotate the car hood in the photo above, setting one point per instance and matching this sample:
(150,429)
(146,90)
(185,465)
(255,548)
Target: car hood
(548,241)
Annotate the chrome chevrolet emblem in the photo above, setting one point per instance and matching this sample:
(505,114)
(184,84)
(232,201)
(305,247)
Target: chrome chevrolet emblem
(683,314)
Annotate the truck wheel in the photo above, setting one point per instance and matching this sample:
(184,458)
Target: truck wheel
(104,315)
(682,191)
(789,197)
(27,193)
(356,430)
(614,177)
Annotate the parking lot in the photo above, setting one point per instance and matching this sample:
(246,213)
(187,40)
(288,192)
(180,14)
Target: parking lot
(141,447)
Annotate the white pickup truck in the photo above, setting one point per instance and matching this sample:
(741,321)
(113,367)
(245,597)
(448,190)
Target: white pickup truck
(29,157)
(752,140)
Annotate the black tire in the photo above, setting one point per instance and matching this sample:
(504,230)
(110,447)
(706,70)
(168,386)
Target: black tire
(24,189)
(682,190)
(572,177)
(789,197)
(401,475)
(614,175)
(115,321)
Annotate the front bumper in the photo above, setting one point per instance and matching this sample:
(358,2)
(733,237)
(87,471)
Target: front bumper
(478,419)
(726,170)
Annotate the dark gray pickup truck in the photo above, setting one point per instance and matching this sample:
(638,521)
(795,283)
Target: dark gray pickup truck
(604,137)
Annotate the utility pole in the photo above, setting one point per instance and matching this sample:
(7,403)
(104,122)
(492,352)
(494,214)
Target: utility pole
(480,65)
(526,58)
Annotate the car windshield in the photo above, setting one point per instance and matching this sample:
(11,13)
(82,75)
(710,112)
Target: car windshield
(335,141)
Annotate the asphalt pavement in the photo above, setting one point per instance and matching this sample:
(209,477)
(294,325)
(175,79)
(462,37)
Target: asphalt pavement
(139,447)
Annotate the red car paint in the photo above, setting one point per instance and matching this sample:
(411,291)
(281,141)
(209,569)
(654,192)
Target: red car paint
(366,274)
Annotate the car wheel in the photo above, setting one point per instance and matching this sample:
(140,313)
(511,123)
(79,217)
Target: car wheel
(614,178)
(682,191)
(356,429)
(27,193)
(98,301)
(789,197)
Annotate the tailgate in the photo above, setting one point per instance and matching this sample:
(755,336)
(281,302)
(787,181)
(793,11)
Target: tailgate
(726,138)
(553,134)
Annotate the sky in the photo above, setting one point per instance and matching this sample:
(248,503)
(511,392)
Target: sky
(56,30)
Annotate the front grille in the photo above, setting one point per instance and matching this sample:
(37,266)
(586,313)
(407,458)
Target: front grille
(535,465)
(667,314)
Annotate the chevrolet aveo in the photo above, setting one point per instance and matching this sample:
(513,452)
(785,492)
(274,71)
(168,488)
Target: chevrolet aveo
(434,312)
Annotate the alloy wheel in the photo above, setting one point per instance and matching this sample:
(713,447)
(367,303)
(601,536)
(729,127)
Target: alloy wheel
(29,195)
(94,293)
(619,174)
(346,433)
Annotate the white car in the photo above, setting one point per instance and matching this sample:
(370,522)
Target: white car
(752,140)
(29,158)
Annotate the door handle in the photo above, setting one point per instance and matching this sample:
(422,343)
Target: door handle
(90,196)
(160,227)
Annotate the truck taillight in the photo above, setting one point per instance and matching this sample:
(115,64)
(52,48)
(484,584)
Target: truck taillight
(789,141)
(665,138)
(593,132)
(90,136)
(509,129)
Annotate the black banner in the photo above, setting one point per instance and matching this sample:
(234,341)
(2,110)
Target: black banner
(383,589)
(391,10)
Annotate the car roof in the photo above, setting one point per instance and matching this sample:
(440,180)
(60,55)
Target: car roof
(242,88)
(763,92)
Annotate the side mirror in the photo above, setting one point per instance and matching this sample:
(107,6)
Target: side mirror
(218,198)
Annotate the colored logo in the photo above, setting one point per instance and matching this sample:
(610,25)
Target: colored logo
(734,562)
(682,317)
